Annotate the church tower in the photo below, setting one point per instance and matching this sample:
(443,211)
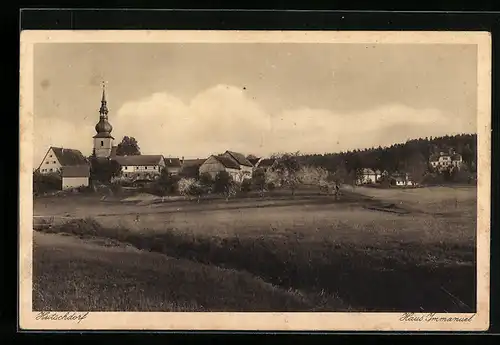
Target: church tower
(103,141)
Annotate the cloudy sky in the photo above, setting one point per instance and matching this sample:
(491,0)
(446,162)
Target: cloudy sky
(196,99)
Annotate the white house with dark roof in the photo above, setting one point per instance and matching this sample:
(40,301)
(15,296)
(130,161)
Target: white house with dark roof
(74,176)
(139,167)
(58,157)
(443,161)
(369,176)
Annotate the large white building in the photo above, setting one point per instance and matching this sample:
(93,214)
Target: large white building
(443,161)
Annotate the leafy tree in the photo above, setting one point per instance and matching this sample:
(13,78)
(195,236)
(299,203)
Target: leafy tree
(167,183)
(207,182)
(224,184)
(416,166)
(190,187)
(44,183)
(104,170)
(259,180)
(287,168)
(246,185)
(128,147)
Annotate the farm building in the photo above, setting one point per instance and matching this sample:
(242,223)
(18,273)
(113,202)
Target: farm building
(58,157)
(246,167)
(215,164)
(144,167)
(75,176)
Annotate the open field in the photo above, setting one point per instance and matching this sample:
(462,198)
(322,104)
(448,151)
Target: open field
(103,275)
(333,251)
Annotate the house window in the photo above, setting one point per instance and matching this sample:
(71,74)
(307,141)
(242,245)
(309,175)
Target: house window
(146,168)
(50,156)
(126,175)
(102,143)
(54,162)
(47,162)
(50,170)
(125,168)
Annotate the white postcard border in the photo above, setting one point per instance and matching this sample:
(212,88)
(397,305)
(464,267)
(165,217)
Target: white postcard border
(29,320)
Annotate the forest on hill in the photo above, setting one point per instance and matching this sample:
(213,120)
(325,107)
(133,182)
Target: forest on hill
(400,157)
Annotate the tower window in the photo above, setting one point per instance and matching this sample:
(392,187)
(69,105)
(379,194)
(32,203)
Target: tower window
(102,143)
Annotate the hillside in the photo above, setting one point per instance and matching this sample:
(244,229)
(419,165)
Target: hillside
(397,157)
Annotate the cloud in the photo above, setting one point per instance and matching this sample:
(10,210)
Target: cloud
(225,117)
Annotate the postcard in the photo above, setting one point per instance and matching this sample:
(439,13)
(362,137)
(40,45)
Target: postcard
(255,180)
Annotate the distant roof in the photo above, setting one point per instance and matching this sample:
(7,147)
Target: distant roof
(172,162)
(240,158)
(69,156)
(193,162)
(75,171)
(138,159)
(228,162)
(266,163)
(253,160)
(368,171)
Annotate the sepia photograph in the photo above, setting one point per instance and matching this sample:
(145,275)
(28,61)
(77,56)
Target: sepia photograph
(255,180)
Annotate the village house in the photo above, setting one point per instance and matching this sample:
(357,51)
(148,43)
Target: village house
(172,165)
(215,164)
(75,176)
(236,164)
(140,167)
(369,176)
(443,161)
(401,180)
(58,157)
(246,167)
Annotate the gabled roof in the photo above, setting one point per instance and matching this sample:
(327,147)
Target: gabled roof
(228,162)
(239,158)
(172,162)
(368,171)
(254,161)
(138,160)
(266,163)
(69,156)
(75,171)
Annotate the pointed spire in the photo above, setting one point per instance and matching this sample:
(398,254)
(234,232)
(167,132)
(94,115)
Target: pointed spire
(104,108)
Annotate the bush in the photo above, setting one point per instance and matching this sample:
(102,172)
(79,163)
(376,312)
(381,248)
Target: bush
(45,183)
(270,186)
(246,185)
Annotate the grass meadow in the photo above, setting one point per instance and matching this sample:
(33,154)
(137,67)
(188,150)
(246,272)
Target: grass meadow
(306,253)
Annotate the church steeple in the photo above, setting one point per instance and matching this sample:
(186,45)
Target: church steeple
(103,141)
(103,127)
(104,107)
